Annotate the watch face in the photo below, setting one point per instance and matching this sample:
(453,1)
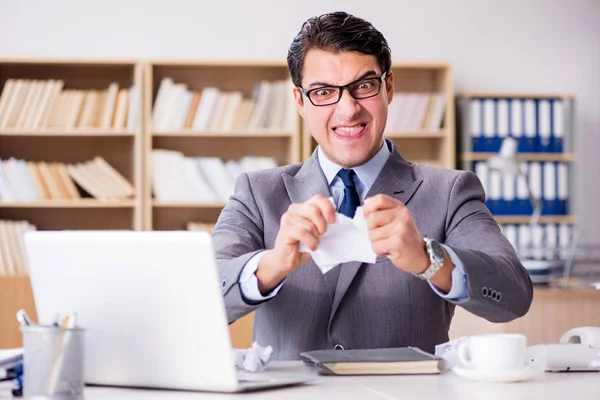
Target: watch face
(437,250)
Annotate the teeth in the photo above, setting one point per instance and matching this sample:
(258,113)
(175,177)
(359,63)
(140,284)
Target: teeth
(349,129)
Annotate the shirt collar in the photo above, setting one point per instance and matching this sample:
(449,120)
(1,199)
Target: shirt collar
(367,173)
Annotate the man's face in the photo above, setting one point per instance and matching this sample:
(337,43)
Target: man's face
(349,132)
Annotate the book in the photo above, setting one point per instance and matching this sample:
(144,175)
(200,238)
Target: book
(390,361)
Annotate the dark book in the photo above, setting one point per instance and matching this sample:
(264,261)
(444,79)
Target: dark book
(391,361)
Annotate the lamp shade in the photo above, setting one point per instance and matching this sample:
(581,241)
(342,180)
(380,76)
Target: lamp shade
(506,161)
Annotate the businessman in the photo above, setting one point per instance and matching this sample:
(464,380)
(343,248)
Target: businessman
(437,244)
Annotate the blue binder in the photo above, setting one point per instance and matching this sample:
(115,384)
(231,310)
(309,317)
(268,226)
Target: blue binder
(544,144)
(558,125)
(475,124)
(491,141)
(528,141)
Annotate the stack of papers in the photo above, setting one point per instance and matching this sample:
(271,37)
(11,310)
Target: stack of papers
(9,357)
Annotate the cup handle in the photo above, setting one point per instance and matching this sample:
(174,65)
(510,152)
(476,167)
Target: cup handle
(464,355)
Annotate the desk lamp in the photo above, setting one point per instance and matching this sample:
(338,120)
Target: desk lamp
(506,163)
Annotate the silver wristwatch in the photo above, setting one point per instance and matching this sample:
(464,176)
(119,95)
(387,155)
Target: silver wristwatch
(437,256)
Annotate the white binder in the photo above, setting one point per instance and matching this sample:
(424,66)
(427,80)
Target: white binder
(545,121)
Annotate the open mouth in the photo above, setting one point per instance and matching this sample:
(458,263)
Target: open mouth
(350,131)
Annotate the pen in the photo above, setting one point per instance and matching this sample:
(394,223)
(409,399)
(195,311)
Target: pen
(56,322)
(57,363)
(23,318)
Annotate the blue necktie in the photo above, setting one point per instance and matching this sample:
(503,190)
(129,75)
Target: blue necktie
(351,199)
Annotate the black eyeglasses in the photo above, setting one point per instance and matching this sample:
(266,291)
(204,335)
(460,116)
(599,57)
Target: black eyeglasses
(359,89)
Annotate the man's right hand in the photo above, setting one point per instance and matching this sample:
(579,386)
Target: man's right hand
(302,223)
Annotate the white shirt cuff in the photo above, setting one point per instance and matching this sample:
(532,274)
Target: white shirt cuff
(249,283)
(460,290)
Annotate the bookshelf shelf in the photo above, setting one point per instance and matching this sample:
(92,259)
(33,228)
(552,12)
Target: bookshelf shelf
(232,134)
(212,110)
(544,219)
(418,85)
(481,156)
(67,113)
(64,132)
(497,95)
(416,135)
(188,205)
(55,121)
(542,127)
(79,203)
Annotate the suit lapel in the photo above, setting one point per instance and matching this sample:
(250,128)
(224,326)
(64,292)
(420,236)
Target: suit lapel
(308,181)
(396,180)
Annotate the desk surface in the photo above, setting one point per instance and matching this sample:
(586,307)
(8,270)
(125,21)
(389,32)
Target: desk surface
(447,386)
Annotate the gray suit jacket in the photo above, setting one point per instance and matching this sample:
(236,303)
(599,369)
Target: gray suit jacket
(374,305)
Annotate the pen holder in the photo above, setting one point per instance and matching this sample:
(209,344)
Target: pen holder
(52,362)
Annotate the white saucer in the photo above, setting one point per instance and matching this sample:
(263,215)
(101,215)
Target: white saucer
(510,375)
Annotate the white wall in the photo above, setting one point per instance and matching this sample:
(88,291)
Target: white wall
(507,46)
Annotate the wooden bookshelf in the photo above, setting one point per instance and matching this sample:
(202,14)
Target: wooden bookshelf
(484,120)
(55,132)
(227,144)
(15,294)
(281,143)
(76,203)
(223,135)
(432,147)
(188,205)
(120,147)
(544,219)
(480,156)
(467,158)
(36,139)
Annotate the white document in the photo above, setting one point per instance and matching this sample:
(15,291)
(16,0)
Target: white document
(344,241)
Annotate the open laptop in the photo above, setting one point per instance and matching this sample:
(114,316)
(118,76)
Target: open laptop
(151,304)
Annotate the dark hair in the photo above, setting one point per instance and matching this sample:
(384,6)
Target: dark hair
(337,32)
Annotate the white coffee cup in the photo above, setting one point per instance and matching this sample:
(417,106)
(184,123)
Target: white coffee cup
(493,352)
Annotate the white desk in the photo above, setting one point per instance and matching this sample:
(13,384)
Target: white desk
(447,386)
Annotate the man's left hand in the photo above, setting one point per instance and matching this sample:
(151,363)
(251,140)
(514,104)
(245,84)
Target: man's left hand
(393,233)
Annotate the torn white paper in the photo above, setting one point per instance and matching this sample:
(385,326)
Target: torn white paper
(449,352)
(254,359)
(344,241)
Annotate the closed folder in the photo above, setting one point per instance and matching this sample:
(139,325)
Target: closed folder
(544,114)
(523,203)
(549,200)
(491,142)
(562,188)
(509,204)
(558,126)
(389,361)
(502,122)
(530,136)
(516,120)
(475,113)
